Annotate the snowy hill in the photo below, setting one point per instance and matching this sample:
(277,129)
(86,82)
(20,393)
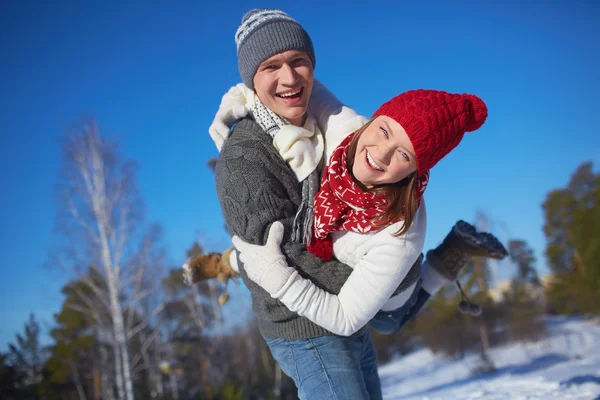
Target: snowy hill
(564,365)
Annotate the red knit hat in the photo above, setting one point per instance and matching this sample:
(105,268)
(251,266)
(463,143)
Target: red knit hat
(435,121)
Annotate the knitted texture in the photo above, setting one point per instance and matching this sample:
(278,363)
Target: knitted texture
(435,121)
(342,205)
(264,33)
(302,149)
(255,188)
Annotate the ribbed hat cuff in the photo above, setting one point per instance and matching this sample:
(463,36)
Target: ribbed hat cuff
(272,38)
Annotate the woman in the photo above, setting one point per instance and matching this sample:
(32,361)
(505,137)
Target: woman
(369,202)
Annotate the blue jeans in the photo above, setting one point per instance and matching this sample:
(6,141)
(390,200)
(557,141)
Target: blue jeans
(330,367)
(388,322)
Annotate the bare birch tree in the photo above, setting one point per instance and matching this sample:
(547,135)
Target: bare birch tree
(101,219)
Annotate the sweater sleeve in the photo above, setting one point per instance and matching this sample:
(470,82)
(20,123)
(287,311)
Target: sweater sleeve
(374,279)
(334,118)
(254,188)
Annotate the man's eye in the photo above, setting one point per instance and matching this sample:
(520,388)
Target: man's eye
(271,66)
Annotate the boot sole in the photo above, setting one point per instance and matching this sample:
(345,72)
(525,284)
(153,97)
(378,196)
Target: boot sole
(481,240)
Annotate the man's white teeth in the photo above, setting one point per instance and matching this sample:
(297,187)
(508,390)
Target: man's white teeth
(373,163)
(289,94)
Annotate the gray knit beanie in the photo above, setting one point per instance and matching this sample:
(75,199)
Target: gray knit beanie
(264,33)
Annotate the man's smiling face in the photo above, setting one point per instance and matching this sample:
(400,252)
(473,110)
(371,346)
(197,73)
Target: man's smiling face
(284,83)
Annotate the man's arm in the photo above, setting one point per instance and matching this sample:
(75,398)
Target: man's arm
(256,188)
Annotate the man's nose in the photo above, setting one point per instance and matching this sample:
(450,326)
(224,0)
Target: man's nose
(287,75)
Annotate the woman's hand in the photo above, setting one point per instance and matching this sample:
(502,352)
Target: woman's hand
(235,105)
(266,265)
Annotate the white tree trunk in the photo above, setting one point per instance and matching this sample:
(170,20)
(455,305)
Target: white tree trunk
(96,184)
(122,368)
(154,375)
(118,372)
(102,199)
(106,387)
(127,371)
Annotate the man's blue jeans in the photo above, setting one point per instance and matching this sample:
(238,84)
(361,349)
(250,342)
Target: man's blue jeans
(330,367)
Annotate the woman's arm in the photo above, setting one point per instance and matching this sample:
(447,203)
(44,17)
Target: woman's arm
(334,118)
(234,106)
(369,286)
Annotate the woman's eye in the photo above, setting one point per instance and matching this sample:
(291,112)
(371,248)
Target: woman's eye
(384,132)
(406,157)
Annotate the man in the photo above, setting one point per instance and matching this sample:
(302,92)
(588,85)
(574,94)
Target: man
(256,187)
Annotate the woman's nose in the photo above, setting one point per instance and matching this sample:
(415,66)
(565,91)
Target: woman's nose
(384,153)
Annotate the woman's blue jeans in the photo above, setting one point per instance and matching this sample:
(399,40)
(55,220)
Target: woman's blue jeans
(388,322)
(330,367)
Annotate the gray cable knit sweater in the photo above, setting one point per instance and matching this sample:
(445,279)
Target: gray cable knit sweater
(256,187)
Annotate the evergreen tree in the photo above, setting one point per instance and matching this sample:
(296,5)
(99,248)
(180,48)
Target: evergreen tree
(572,230)
(522,255)
(26,357)
(12,381)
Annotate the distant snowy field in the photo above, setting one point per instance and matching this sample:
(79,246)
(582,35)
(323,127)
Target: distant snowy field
(564,365)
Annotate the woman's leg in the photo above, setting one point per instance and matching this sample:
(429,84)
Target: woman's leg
(388,322)
(324,368)
(441,267)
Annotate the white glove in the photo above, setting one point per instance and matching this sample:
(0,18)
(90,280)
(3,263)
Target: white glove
(235,105)
(266,265)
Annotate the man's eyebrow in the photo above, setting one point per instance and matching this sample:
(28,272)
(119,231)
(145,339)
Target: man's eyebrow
(270,60)
(298,53)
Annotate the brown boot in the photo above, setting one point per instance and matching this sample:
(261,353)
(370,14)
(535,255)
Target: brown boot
(209,266)
(462,243)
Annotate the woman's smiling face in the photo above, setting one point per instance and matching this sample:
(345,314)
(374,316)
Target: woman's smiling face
(384,153)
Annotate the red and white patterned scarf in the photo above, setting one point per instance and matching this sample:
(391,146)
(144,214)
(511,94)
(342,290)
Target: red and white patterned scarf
(342,205)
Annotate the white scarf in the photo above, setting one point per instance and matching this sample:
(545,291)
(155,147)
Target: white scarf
(300,146)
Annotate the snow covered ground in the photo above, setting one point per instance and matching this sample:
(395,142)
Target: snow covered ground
(564,365)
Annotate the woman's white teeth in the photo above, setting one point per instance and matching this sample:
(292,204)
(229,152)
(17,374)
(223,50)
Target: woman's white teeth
(289,94)
(372,162)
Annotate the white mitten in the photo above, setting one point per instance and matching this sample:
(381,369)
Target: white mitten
(266,265)
(235,105)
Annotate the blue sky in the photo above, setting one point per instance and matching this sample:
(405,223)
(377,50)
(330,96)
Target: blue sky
(153,74)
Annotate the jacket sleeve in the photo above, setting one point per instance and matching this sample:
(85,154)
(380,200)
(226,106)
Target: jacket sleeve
(373,280)
(253,194)
(335,119)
